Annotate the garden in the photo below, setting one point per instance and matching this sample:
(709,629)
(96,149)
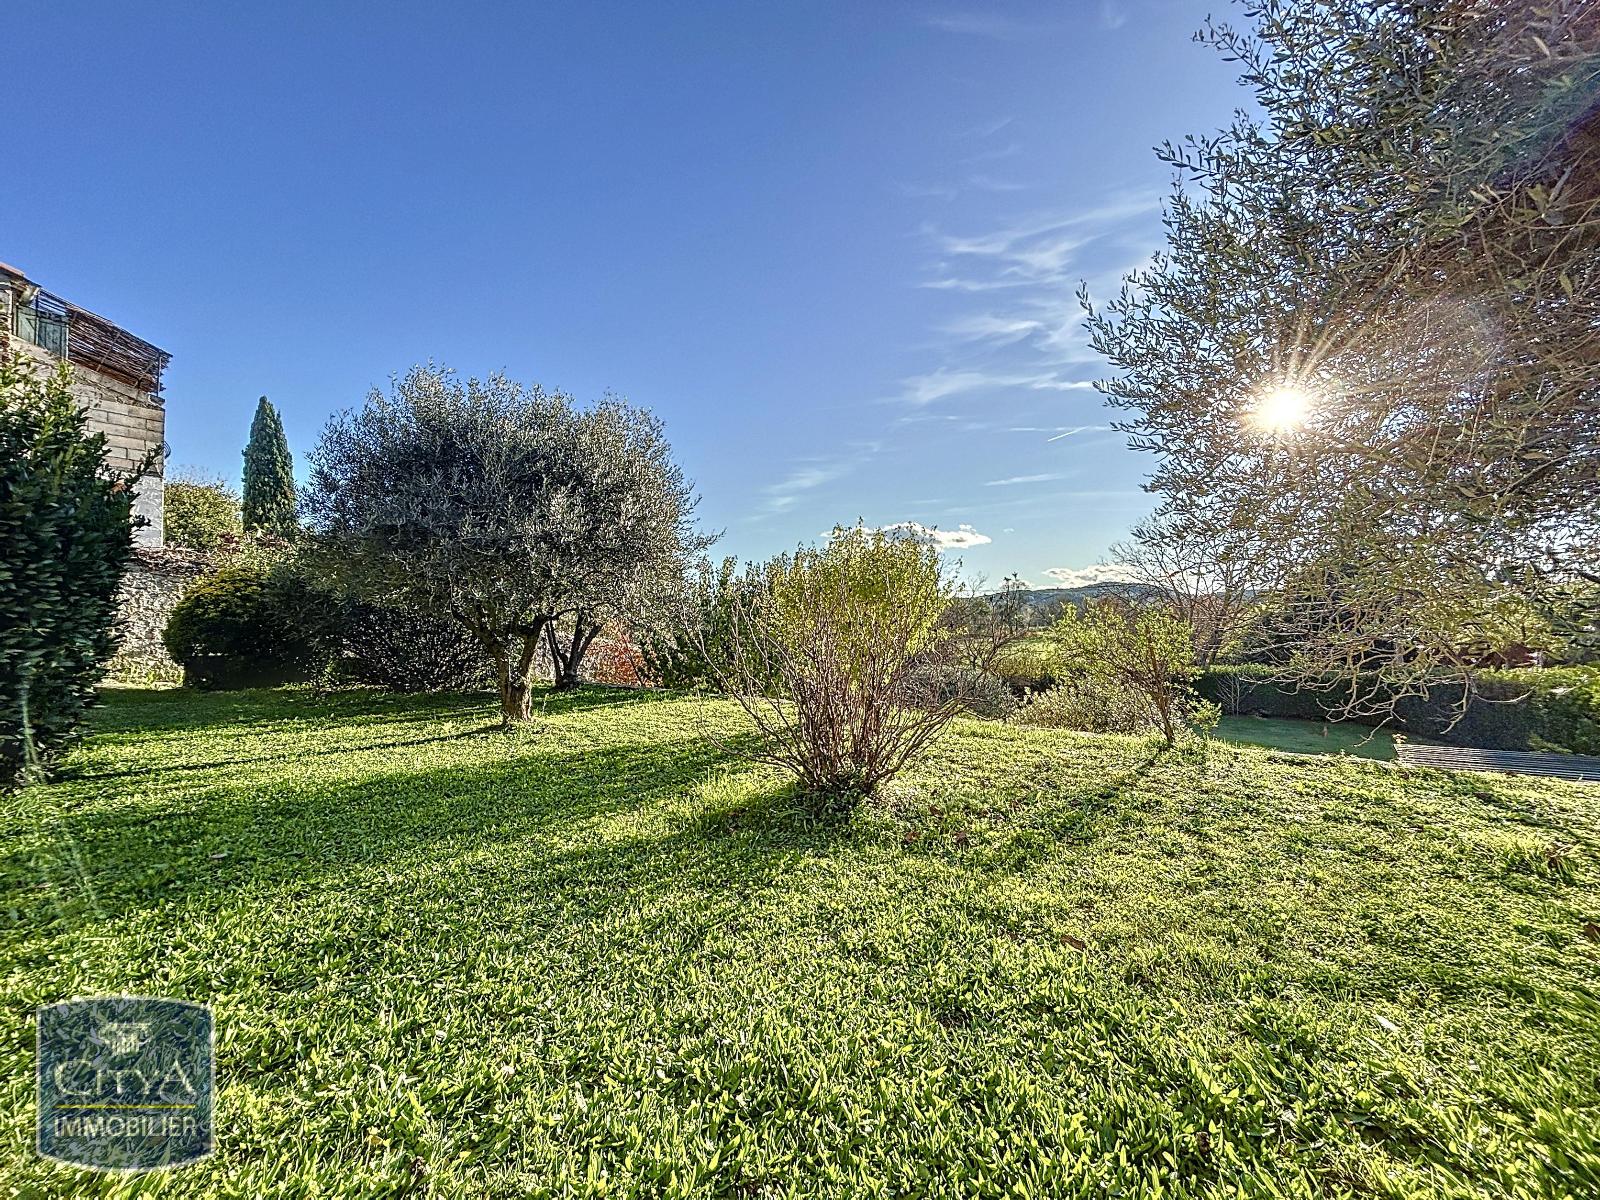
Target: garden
(518,845)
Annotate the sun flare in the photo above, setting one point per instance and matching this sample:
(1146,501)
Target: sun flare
(1281,409)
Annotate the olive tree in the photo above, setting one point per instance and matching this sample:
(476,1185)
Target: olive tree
(454,495)
(521,517)
(625,535)
(1369,344)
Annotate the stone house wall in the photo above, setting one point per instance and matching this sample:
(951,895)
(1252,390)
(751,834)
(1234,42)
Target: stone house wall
(133,421)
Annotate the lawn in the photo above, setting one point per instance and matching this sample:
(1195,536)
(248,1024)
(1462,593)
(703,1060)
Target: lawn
(604,958)
(1308,737)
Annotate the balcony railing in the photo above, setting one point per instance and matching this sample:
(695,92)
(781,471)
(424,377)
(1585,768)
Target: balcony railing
(42,329)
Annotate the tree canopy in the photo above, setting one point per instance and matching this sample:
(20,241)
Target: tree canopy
(504,506)
(1370,342)
(269,501)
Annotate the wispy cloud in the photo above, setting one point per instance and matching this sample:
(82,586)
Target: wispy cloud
(810,474)
(1016,479)
(988,183)
(921,390)
(976,24)
(786,493)
(1058,432)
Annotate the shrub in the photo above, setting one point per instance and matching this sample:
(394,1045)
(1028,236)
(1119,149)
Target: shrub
(200,514)
(832,653)
(1029,664)
(65,540)
(981,693)
(407,649)
(1093,705)
(1142,650)
(685,651)
(252,624)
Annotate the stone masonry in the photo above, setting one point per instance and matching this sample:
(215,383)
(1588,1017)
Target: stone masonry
(116,377)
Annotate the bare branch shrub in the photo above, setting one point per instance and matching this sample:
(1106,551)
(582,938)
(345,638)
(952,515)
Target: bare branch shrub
(838,655)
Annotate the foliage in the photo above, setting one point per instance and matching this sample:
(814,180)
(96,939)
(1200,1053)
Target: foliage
(981,693)
(200,514)
(254,618)
(626,536)
(269,503)
(835,655)
(406,649)
(505,508)
(1406,237)
(1294,978)
(682,652)
(65,540)
(1091,703)
(1031,663)
(1143,649)
(1206,574)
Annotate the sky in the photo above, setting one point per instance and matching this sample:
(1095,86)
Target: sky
(833,246)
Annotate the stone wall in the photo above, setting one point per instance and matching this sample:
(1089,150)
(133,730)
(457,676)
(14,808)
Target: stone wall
(155,581)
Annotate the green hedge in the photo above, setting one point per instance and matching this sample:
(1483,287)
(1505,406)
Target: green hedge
(252,624)
(65,539)
(1555,708)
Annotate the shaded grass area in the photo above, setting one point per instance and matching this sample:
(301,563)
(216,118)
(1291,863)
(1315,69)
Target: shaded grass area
(1308,737)
(605,958)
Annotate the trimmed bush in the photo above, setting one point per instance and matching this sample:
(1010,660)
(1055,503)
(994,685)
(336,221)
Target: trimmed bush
(1556,708)
(65,540)
(253,624)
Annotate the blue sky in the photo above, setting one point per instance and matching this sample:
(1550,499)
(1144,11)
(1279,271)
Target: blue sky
(833,246)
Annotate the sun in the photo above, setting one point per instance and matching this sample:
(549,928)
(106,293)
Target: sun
(1281,409)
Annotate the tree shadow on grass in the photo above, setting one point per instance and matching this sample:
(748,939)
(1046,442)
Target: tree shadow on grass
(71,776)
(231,836)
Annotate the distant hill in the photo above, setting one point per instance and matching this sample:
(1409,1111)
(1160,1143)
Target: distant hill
(1044,603)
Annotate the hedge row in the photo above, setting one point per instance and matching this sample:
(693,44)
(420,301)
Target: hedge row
(1555,708)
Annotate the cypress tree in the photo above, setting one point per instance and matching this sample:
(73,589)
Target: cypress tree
(268,475)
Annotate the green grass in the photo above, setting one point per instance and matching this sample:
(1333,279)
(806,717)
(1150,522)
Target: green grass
(1308,737)
(604,958)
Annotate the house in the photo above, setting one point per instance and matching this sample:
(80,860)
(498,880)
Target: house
(116,377)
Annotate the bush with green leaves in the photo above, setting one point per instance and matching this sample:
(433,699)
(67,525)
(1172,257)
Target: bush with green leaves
(254,622)
(835,654)
(1086,703)
(1142,649)
(200,514)
(65,540)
